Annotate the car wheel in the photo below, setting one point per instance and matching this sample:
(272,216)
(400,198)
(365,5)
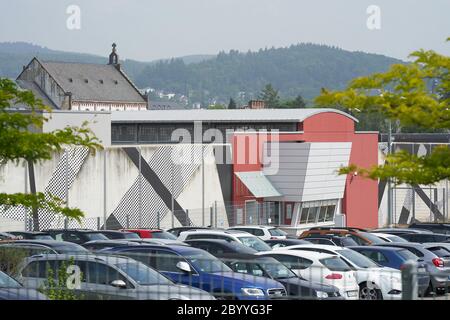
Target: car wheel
(369,293)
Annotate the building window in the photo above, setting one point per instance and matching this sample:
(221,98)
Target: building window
(317,212)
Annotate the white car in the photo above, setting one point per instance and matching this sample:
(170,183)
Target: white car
(375,282)
(389,237)
(263,232)
(245,238)
(320,267)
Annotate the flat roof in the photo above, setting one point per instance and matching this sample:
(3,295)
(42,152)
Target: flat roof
(236,115)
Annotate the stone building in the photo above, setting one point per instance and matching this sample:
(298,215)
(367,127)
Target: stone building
(82,86)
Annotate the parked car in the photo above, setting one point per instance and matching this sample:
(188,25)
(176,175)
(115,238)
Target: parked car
(296,287)
(152,234)
(10,289)
(332,239)
(108,277)
(98,245)
(31,235)
(7,236)
(263,232)
(78,236)
(242,259)
(280,243)
(221,249)
(229,235)
(436,267)
(375,281)
(158,241)
(425,237)
(117,235)
(389,237)
(319,267)
(177,230)
(399,231)
(46,246)
(360,236)
(200,269)
(442,228)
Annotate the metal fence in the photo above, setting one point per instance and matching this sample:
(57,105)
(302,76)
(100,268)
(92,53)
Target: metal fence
(160,275)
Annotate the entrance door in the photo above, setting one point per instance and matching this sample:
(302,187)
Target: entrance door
(288,212)
(251,212)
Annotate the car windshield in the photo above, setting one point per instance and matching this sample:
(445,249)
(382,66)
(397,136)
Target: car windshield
(8,282)
(96,236)
(372,238)
(277,232)
(358,259)
(408,255)
(440,252)
(142,274)
(275,269)
(163,235)
(206,262)
(68,247)
(335,264)
(42,237)
(131,235)
(347,242)
(395,238)
(255,243)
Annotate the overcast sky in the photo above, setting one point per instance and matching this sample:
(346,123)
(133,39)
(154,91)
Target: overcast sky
(153,29)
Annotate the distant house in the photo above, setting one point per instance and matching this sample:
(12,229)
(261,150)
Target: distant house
(82,86)
(166,105)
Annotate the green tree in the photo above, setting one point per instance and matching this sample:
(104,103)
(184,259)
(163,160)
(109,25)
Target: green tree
(415,94)
(232,104)
(20,139)
(296,103)
(216,106)
(270,96)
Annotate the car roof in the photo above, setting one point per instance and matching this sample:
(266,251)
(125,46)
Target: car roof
(226,232)
(48,243)
(29,232)
(71,230)
(376,248)
(81,256)
(252,227)
(299,253)
(383,234)
(317,246)
(173,247)
(122,241)
(114,231)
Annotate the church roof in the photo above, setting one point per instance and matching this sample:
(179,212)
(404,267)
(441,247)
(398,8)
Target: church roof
(93,82)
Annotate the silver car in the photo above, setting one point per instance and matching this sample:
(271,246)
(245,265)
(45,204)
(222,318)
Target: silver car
(104,277)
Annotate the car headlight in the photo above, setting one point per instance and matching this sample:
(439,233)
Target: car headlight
(321,294)
(253,292)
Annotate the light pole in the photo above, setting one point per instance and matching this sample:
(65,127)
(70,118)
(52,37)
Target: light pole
(389,182)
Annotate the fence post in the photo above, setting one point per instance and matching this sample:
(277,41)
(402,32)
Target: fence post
(215,214)
(128,221)
(409,281)
(187,217)
(98,223)
(211,217)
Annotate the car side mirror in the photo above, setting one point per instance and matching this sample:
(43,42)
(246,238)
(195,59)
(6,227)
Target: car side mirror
(119,284)
(184,266)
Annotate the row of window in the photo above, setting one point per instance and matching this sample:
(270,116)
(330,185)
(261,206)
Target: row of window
(317,214)
(162,133)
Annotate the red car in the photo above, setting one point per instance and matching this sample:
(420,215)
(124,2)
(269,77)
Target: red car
(152,233)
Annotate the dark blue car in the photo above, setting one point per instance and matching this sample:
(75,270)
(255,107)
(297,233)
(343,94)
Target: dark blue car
(396,258)
(198,268)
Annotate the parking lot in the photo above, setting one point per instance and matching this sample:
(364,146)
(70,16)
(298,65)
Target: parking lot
(241,262)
